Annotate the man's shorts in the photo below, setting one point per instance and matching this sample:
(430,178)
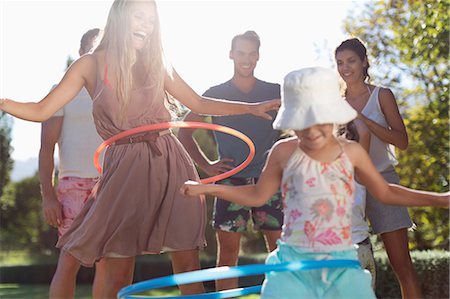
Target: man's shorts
(232,217)
(366,258)
(72,193)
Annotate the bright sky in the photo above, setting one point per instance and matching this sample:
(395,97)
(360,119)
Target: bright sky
(38,36)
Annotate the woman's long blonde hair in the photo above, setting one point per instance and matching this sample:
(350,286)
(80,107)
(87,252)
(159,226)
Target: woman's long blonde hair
(116,43)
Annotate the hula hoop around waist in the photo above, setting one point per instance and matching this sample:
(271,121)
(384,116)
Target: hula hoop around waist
(182,124)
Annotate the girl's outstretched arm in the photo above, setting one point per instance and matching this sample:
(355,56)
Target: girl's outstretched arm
(67,89)
(242,195)
(175,85)
(391,193)
(249,195)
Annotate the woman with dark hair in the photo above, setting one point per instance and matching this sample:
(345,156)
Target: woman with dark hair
(377,108)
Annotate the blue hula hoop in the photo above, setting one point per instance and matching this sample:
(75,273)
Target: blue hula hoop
(228,272)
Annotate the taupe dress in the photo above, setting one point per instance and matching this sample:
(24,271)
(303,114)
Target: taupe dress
(136,207)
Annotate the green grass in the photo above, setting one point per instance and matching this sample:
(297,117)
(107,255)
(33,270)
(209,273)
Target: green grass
(24,258)
(37,291)
(40,291)
(83,291)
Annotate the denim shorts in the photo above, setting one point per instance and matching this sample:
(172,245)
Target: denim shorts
(231,217)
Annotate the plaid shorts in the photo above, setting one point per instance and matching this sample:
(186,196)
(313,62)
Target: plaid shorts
(232,217)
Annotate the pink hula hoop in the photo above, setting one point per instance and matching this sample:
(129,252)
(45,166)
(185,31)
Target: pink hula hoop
(182,124)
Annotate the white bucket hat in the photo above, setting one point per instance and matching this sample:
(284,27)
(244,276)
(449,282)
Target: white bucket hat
(311,97)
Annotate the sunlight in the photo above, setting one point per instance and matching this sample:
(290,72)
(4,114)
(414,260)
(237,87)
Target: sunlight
(196,35)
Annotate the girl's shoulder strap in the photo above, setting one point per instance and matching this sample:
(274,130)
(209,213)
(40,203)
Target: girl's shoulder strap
(341,142)
(289,148)
(344,155)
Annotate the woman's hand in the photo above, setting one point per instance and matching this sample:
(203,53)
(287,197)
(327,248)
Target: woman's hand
(361,117)
(261,109)
(218,167)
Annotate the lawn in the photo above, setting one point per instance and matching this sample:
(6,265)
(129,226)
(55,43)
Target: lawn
(40,291)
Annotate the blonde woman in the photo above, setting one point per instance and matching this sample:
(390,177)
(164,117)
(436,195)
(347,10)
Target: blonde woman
(135,208)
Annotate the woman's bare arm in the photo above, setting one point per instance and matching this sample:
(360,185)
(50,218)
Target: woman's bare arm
(64,92)
(396,133)
(176,86)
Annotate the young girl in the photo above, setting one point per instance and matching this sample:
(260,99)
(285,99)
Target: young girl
(135,208)
(316,171)
(378,109)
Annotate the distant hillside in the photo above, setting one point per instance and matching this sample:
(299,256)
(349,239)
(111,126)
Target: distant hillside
(24,168)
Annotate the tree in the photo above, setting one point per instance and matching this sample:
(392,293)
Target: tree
(6,162)
(22,225)
(408,41)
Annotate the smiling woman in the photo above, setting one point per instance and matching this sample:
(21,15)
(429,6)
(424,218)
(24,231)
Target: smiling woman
(196,47)
(128,83)
(142,22)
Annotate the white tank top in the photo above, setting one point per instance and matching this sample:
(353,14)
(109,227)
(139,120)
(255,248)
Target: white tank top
(381,153)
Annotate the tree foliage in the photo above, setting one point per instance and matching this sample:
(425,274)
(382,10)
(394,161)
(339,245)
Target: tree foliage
(408,42)
(22,225)
(6,162)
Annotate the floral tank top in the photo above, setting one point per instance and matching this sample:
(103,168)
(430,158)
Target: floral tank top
(318,199)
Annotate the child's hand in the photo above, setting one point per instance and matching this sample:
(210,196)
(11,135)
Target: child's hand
(191,188)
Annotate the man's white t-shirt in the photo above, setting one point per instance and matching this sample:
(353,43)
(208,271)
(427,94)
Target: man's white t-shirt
(78,139)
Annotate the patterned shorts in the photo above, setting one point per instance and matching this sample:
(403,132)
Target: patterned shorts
(72,194)
(232,217)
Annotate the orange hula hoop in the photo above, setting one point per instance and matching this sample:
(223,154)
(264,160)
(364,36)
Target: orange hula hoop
(182,124)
